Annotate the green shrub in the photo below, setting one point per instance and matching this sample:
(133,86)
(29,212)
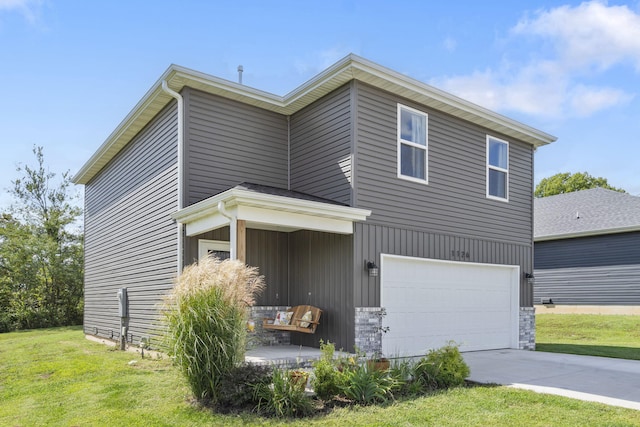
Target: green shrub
(238,386)
(442,368)
(401,372)
(366,386)
(282,397)
(206,315)
(326,376)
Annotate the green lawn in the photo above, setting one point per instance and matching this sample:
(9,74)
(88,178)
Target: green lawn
(589,334)
(55,377)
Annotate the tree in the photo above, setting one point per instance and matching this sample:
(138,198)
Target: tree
(561,183)
(41,252)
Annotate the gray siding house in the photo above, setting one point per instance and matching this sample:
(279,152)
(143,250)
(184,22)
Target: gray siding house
(360,165)
(587,252)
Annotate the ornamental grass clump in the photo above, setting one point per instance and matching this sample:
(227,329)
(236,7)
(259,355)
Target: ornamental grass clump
(206,315)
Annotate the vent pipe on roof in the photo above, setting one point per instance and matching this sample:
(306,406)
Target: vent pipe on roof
(240,70)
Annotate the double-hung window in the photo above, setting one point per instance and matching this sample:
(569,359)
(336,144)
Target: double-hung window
(412,144)
(497,169)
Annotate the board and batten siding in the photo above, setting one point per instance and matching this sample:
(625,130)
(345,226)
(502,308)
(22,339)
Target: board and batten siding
(593,270)
(228,142)
(371,240)
(130,238)
(266,250)
(454,200)
(320,274)
(321,147)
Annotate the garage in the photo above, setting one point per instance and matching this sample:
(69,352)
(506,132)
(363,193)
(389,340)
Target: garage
(431,302)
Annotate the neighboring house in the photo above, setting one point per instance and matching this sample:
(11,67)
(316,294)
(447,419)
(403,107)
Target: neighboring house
(360,165)
(587,252)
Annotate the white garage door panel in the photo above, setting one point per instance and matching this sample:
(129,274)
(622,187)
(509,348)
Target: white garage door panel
(432,302)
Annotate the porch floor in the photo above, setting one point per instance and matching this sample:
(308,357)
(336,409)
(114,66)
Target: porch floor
(283,355)
(287,356)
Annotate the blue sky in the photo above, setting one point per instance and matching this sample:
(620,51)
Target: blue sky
(72,70)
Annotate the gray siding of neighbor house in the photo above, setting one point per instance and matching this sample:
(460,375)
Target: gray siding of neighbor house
(228,142)
(320,274)
(594,270)
(451,212)
(321,147)
(130,236)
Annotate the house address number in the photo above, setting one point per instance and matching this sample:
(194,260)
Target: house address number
(460,254)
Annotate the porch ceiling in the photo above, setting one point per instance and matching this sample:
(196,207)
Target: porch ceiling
(268,212)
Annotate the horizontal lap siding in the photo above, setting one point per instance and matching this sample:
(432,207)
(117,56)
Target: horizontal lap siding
(604,285)
(321,147)
(130,239)
(592,251)
(594,270)
(451,212)
(373,240)
(454,201)
(228,142)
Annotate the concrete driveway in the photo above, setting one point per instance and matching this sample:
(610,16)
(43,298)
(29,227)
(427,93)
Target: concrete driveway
(598,379)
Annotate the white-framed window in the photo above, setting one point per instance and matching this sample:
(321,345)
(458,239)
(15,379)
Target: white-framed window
(412,144)
(218,248)
(497,169)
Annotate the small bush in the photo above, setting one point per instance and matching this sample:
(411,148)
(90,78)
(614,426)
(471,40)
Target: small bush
(238,386)
(282,397)
(365,386)
(442,368)
(401,372)
(326,376)
(206,315)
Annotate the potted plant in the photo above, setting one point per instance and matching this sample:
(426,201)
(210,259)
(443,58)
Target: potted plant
(378,363)
(299,378)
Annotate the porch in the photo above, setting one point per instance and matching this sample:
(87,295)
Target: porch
(301,244)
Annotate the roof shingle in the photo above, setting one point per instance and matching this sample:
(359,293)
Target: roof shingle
(587,212)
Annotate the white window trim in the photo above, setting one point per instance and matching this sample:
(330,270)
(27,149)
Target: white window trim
(401,141)
(490,167)
(204,246)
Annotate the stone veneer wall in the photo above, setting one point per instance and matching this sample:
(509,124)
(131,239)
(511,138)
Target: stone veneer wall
(369,329)
(527,328)
(261,337)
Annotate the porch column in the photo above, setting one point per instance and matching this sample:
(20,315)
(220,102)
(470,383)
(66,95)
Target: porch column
(238,239)
(241,240)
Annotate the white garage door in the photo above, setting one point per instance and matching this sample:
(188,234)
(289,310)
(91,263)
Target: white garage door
(431,302)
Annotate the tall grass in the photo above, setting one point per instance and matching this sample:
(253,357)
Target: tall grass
(206,315)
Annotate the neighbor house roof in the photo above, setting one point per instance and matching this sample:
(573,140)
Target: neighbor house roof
(585,213)
(349,68)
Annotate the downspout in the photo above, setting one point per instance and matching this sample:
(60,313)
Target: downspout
(180,226)
(233,229)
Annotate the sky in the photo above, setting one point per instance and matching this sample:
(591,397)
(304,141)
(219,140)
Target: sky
(72,70)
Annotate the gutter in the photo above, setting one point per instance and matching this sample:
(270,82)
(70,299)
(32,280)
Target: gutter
(180,202)
(233,229)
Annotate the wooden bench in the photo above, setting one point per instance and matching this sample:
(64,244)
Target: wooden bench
(296,320)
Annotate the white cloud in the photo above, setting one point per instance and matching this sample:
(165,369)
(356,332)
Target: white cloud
(587,40)
(30,9)
(585,100)
(592,33)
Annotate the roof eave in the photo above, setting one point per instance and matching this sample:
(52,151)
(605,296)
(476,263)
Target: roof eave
(349,68)
(587,233)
